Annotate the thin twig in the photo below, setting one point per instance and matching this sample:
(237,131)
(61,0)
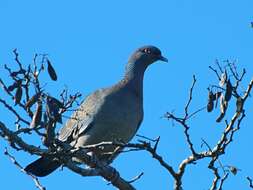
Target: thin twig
(190,98)
(250,182)
(136,178)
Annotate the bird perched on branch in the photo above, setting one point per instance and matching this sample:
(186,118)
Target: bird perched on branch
(107,115)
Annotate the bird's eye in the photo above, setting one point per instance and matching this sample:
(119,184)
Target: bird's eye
(146,50)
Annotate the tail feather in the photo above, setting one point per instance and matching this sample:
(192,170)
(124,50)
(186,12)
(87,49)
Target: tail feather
(42,167)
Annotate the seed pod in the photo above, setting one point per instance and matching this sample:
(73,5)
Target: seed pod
(229,89)
(49,134)
(221,116)
(223,78)
(51,71)
(211,96)
(42,67)
(37,116)
(210,106)
(210,102)
(52,107)
(18,95)
(15,85)
(45,118)
(223,108)
(217,95)
(223,104)
(12,87)
(33,100)
(57,102)
(239,105)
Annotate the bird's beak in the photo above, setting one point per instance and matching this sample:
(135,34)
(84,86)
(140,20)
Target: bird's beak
(163,58)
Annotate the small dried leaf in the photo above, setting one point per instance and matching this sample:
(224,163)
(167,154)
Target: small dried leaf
(37,116)
(229,89)
(233,170)
(51,71)
(223,78)
(18,95)
(33,100)
(239,105)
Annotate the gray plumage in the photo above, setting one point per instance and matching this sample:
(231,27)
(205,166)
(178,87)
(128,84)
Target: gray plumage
(109,114)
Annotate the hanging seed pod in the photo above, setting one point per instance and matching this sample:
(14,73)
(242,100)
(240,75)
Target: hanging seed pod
(217,96)
(12,87)
(223,108)
(42,67)
(33,100)
(223,78)
(210,103)
(229,89)
(57,102)
(18,95)
(37,116)
(221,116)
(223,104)
(59,118)
(49,134)
(15,85)
(45,118)
(210,106)
(53,107)
(239,105)
(51,71)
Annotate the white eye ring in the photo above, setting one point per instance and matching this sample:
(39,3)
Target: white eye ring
(147,51)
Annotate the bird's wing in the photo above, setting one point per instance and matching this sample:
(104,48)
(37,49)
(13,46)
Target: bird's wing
(83,118)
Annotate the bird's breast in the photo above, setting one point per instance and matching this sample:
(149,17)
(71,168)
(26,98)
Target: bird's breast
(118,118)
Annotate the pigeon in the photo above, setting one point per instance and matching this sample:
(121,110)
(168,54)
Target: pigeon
(112,114)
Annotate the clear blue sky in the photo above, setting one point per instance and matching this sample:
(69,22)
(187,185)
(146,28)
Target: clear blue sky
(89,43)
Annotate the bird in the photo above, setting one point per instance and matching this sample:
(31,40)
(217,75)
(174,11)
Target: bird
(107,115)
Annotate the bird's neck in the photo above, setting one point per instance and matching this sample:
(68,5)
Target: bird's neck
(134,77)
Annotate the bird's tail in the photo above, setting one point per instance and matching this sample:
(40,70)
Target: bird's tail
(43,166)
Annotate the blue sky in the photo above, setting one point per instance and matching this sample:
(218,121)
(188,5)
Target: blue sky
(89,43)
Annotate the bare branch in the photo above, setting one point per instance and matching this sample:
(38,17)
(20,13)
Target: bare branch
(190,98)
(136,178)
(250,182)
(106,172)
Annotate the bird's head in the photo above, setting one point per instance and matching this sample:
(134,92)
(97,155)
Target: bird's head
(147,55)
